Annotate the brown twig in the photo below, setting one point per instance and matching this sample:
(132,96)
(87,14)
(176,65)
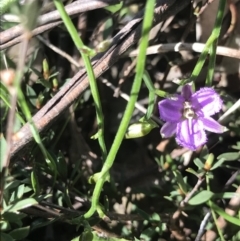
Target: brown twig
(126,73)
(35,32)
(197,47)
(59,51)
(234,15)
(49,210)
(204,7)
(129,35)
(47,21)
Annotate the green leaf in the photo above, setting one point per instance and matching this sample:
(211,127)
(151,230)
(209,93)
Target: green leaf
(6,237)
(31,94)
(20,191)
(161,93)
(155,217)
(3,149)
(29,14)
(35,183)
(108,28)
(217,164)
(198,163)
(147,234)
(46,83)
(5,226)
(21,205)
(76,239)
(86,235)
(41,223)
(14,217)
(17,125)
(229,156)
(180,181)
(226,216)
(62,165)
(226,195)
(201,197)
(236,147)
(11,185)
(190,170)
(114,8)
(4,95)
(20,233)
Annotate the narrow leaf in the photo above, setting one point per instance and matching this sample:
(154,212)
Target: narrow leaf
(226,216)
(21,205)
(3,148)
(201,197)
(20,233)
(6,237)
(198,163)
(182,185)
(229,156)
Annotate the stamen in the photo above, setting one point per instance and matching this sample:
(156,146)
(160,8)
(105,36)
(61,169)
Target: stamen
(188,111)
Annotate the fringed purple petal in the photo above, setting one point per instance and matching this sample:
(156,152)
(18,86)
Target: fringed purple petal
(187,92)
(168,129)
(191,134)
(170,109)
(211,125)
(206,102)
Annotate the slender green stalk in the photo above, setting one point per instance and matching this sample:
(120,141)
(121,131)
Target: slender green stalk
(92,80)
(36,136)
(211,64)
(211,40)
(212,211)
(4,96)
(24,106)
(151,95)
(147,22)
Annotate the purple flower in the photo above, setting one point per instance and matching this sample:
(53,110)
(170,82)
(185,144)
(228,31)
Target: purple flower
(188,116)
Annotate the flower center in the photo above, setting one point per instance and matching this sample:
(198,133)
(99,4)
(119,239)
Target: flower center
(188,112)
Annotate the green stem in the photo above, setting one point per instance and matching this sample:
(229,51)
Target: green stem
(212,40)
(211,64)
(24,106)
(212,211)
(147,22)
(151,95)
(92,80)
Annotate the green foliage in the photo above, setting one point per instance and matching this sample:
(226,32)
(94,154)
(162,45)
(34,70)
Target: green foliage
(65,178)
(201,197)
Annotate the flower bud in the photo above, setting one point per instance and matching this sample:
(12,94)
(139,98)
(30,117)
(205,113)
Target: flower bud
(46,72)
(103,46)
(140,129)
(54,84)
(39,100)
(208,163)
